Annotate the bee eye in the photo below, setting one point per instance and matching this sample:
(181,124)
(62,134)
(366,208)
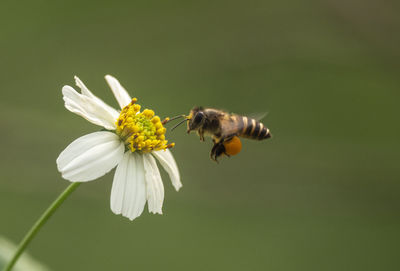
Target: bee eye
(198,118)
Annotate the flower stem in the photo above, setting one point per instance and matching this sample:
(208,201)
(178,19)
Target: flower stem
(39,224)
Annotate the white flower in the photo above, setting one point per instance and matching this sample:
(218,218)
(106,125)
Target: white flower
(132,141)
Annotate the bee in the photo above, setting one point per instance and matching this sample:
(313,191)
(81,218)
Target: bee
(224,129)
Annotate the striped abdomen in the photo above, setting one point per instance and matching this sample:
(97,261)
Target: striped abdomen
(251,128)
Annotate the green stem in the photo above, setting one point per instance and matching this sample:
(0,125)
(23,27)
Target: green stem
(39,224)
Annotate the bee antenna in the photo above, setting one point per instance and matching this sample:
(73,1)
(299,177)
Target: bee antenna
(174,118)
(173,128)
(177,117)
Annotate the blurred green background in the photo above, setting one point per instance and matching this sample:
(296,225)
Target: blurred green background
(322,194)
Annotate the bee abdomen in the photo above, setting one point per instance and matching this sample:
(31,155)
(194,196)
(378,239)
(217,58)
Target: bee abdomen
(254,129)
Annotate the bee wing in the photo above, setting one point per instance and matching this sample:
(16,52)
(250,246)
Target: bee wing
(257,116)
(230,126)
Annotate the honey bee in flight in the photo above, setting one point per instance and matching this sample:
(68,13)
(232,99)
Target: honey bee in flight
(224,129)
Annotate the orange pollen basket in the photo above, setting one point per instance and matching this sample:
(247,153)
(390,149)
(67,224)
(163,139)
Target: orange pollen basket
(233,146)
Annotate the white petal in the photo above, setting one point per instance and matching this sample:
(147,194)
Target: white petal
(128,193)
(90,157)
(119,91)
(168,162)
(86,92)
(89,106)
(154,185)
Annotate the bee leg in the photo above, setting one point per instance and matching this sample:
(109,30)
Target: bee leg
(201,134)
(228,138)
(212,153)
(217,150)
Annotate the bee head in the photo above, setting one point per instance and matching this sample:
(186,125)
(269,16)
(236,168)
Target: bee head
(196,119)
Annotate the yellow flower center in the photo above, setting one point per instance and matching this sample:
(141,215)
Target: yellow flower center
(141,131)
